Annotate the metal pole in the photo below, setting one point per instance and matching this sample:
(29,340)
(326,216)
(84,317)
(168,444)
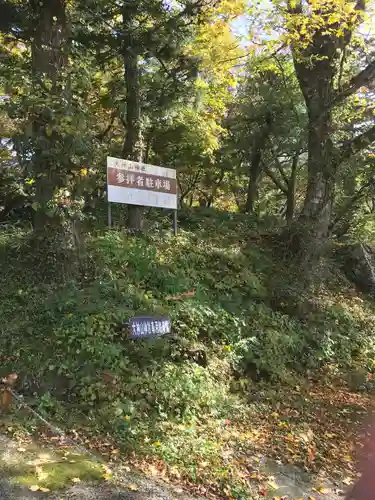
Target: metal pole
(175,222)
(109,215)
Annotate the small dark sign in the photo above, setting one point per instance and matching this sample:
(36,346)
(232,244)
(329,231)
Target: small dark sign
(148,326)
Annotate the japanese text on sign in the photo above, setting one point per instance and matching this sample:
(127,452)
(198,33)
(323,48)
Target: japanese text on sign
(140,184)
(141,181)
(142,327)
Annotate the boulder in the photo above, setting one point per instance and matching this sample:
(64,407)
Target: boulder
(359,266)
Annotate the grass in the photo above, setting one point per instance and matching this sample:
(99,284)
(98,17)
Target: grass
(276,354)
(39,468)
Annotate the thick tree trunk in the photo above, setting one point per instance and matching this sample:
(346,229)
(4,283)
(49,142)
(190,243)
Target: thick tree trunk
(312,226)
(49,59)
(133,148)
(309,232)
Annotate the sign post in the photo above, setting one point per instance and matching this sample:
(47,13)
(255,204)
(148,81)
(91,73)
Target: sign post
(175,222)
(137,183)
(109,215)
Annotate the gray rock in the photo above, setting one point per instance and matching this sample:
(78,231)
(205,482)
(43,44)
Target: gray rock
(359,265)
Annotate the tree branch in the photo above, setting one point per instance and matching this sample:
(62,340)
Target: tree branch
(362,79)
(279,166)
(274,179)
(295,7)
(101,135)
(362,191)
(357,144)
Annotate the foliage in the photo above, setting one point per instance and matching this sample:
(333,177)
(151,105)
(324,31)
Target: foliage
(168,398)
(271,134)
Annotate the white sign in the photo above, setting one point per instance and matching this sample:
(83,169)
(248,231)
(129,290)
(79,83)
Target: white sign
(141,184)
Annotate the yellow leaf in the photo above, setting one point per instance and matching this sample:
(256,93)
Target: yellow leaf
(311,498)
(322,490)
(272,484)
(44,490)
(42,475)
(107,474)
(34,487)
(115,452)
(157,443)
(76,480)
(132,487)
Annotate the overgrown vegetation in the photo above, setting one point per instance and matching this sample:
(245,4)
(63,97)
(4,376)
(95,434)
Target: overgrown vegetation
(190,404)
(271,134)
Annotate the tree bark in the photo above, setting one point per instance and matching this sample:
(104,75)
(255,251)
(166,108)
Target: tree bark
(255,169)
(49,59)
(291,191)
(133,148)
(317,67)
(309,231)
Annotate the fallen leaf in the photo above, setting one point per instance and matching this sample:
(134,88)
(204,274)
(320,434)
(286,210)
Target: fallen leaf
(76,480)
(42,476)
(34,487)
(348,481)
(44,490)
(132,487)
(21,449)
(311,498)
(272,484)
(322,490)
(107,474)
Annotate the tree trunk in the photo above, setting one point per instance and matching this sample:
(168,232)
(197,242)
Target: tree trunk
(256,164)
(309,232)
(291,191)
(312,226)
(49,59)
(133,148)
